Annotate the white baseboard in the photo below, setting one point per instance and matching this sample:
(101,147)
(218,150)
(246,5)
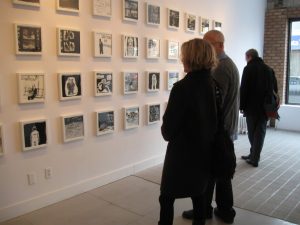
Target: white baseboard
(29,205)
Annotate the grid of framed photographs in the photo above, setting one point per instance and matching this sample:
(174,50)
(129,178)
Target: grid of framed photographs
(102,8)
(105,122)
(103,83)
(69,86)
(73,127)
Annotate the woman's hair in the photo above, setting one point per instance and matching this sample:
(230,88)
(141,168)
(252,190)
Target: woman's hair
(198,54)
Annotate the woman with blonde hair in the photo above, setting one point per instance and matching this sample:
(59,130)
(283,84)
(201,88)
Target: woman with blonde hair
(189,125)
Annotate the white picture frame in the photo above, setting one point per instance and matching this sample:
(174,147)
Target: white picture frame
(173,50)
(28,39)
(34,134)
(103,83)
(68,41)
(105,122)
(204,25)
(73,127)
(130,82)
(102,8)
(217,25)
(172,77)
(152,48)
(102,44)
(70,86)
(31,87)
(68,5)
(153,81)
(35,3)
(130,46)
(130,10)
(1,140)
(173,19)
(131,117)
(190,22)
(152,14)
(153,113)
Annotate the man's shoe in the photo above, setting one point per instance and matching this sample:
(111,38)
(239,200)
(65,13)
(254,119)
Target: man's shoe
(225,217)
(189,214)
(249,161)
(245,157)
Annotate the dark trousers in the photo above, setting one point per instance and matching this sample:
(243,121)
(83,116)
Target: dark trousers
(167,209)
(257,126)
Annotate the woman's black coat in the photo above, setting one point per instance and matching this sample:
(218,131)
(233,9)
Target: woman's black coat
(189,125)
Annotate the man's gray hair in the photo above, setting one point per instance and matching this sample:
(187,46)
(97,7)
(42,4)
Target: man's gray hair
(252,53)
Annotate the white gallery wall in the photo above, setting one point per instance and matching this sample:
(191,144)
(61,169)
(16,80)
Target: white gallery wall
(96,160)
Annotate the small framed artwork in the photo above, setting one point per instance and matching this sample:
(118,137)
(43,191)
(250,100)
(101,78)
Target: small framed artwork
(102,8)
(131,82)
(153,113)
(105,122)
(34,134)
(28,39)
(131,117)
(173,19)
(103,83)
(173,77)
(173,49)
(153,48)
(68,5)
(217,25)
(152,14)
(31,87)
(73,127)
(68,42)
(35,3)
(204,25)
(69,86)
(153,81)
(131,10)
(102,44)
(1,140)
(130,46)
(190,22)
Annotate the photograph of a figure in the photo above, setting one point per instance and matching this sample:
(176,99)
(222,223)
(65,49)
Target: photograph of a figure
(131,10)
(68,5)
(130,46)
(28,39)
(204,25)
(70,86)
(102,8)
(173,50)
(131,82)
(153,48)
(73,127)
(1,141)
(153,113)
(131,117)
(31,87)
(27,2)
(190,22)
(173,18)
(103,83)
(34,134)
(153,14)
(153,81)
(103,44)
(105,122)
(69,42)
(217,25)
(173,77)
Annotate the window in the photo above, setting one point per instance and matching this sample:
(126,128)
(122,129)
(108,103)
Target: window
(293,68)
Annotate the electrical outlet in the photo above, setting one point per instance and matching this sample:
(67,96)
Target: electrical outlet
(48,173)
(31,177)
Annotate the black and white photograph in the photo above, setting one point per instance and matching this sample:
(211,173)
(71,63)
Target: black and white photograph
(153,113)
(131,10)
(28,39)
(73,127)
(35,3)
(173,50)
(153,14)
(31,87)
(153,48)
(204,25)
(173,77)
(190,22)
(217,25)
(153,81)
(102,8)
(131,82)
(130,46)
(34,134)
(102,44)
(173,18)
(131,117)
(68,5)
(69,86)
(68,42)
(105,122)
(103,83)
(1,140)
